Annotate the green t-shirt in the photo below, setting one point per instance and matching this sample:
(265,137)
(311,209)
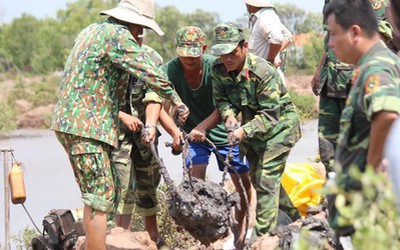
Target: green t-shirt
(200,101)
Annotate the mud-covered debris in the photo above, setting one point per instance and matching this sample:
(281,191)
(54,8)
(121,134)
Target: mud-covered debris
(203,208)
(319,233)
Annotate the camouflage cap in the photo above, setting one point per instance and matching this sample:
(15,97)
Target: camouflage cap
(227,37)
(189,41)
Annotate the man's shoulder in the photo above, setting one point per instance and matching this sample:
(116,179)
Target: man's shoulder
(154,55)
(218,67)
(259,66)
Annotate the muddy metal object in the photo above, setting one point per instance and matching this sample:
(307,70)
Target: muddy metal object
(60,231)
(203,208)
(318,234)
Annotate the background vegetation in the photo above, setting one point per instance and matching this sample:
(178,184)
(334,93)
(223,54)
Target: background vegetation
(32,45)
(36,48)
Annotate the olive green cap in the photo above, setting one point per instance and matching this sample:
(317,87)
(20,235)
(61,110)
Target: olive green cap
(227,37)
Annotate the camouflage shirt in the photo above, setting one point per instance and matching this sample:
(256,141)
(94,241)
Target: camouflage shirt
(104,56)
(140,94)
(376,87)
(268,113)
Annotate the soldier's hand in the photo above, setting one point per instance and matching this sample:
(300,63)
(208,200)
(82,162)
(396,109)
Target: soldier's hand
(315,82)
(235,136)
(131,122)
(197,135)
(277,61)
(181,113)
(177,142)
(230,123)
(149,135)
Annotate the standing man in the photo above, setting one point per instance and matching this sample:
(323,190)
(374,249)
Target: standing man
(247,84)
(190,73)
(104,56)
(136,166)
(374,99)
(331,82)
(268,35)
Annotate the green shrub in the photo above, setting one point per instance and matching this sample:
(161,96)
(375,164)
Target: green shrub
(45,91)
(7,118)
(24,238)
(18,92)
(305,104)
(372,211)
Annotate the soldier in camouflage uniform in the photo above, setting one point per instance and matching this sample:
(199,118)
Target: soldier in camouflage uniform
(246,83)
(331,82)
(374,99)
(190,73)
(104,56)
(136,166)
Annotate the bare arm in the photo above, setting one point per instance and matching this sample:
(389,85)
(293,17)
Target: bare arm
(198,133)
(380,127)
(171,128)
(152,115)
(131,122)
(273,52)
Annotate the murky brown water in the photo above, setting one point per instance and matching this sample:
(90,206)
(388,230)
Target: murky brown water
(50,183)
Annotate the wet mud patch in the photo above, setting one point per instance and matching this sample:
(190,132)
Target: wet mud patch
(203,208)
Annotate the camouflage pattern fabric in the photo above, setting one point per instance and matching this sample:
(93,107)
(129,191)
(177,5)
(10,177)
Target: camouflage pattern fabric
(266,176)
(92,170)
(103,58)
(189,41)
(227,37)
(135,164)
(375,88)
(333,88)
(330,110)
(138,173)
(270,121)
(385,28)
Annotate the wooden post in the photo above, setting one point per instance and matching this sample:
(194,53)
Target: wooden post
(6,161)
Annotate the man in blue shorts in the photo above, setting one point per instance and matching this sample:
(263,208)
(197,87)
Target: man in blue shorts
(190,73)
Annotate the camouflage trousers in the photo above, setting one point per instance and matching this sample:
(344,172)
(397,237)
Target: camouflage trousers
(330,110)
(266,175)
(93,170)
(138,173)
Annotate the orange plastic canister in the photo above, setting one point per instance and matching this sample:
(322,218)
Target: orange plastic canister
(17,186)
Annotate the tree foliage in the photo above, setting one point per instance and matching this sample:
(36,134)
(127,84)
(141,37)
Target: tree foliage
(34,45)
(299,21)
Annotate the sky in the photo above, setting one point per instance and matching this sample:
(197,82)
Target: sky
(228,10)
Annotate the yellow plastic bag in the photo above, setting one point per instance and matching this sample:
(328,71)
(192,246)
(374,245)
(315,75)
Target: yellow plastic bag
(303,185)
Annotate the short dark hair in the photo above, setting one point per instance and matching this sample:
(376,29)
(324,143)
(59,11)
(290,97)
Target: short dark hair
(353,12)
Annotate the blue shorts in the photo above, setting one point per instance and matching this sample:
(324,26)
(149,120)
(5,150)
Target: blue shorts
(201,152)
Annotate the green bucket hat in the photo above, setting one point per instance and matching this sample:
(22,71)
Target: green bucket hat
(227,37)
(189,41)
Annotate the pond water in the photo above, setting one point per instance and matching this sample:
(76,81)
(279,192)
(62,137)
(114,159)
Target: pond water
(50,184)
